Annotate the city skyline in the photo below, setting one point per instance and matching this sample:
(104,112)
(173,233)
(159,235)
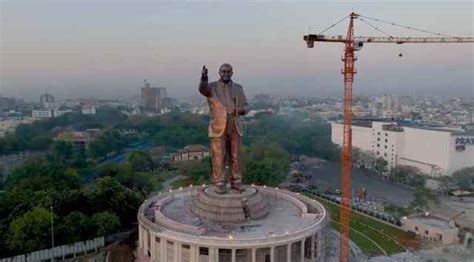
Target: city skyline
(81,49)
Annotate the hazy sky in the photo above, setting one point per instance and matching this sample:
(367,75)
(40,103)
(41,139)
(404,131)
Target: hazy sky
(106,48)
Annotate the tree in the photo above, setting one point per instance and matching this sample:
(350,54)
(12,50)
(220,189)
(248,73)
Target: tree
(2,176)
(105,223)
(381,165)
(201,172)
(464,178)
(295,133)
(423,198)
(30,232)
(405,174)
(110,141)
(75,227)
(111,196)
(140,161)
(62,153)
(261,173)
(266,164)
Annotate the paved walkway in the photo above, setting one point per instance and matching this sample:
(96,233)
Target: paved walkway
(167,183)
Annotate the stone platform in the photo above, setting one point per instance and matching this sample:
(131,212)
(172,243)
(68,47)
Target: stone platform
(231,207)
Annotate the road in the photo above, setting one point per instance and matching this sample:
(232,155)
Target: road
(327,174)
(122,157)
(117,159)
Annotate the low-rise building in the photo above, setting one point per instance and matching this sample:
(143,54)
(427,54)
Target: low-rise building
(80,139)
(190,152)
(431,227)
(9,125)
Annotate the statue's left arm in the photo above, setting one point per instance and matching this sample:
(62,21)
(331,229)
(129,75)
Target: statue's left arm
(244,109)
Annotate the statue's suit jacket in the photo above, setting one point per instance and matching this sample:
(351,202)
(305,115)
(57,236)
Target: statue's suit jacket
(217,109)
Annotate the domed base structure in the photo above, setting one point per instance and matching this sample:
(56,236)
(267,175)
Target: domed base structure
(196,224)
(232,207)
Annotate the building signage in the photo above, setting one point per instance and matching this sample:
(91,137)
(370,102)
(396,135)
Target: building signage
(462,141)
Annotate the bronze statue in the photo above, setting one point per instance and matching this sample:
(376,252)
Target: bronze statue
(227,102)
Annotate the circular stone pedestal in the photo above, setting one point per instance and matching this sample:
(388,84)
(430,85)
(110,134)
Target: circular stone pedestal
(231,207)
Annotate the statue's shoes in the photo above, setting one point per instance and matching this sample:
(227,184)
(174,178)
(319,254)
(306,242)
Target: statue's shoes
(220,189)
(238,187)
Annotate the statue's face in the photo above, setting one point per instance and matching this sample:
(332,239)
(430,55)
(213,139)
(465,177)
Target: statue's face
(225,72)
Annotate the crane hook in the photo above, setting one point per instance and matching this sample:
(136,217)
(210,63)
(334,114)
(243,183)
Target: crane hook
(399,50)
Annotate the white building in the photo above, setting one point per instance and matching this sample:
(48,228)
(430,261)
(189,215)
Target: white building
(48,113)
(88,110)
(42,113)
(435,152)
(60,112)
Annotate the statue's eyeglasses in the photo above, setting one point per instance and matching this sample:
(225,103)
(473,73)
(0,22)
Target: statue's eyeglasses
(226,71)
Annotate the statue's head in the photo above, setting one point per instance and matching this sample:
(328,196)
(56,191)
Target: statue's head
(225,71)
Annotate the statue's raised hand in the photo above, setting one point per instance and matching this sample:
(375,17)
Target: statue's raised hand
(204,71)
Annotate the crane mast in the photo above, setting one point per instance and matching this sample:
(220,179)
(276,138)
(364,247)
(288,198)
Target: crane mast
(353,44)
(346,155)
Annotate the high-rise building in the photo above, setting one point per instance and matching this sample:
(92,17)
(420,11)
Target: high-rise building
(153,99)
(7,103)
(46,100)
(391,103)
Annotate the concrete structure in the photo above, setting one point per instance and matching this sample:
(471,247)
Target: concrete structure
(190,152)
(431,227)
(153,99)
(435,151)
(290,227)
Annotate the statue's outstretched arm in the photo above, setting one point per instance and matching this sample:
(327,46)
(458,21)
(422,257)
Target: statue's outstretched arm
(204,88)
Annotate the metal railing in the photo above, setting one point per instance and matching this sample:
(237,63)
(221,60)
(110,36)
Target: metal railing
(60,252)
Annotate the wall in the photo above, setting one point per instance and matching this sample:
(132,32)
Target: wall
(361,136)
(426,149)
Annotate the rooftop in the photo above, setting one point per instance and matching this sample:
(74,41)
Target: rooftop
(433,222)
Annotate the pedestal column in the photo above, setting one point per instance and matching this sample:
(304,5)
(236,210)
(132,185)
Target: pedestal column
(233,255)
(272,254)
(288,252)
(302,250)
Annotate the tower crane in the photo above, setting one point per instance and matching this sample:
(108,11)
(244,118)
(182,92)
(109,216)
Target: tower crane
(352,44)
